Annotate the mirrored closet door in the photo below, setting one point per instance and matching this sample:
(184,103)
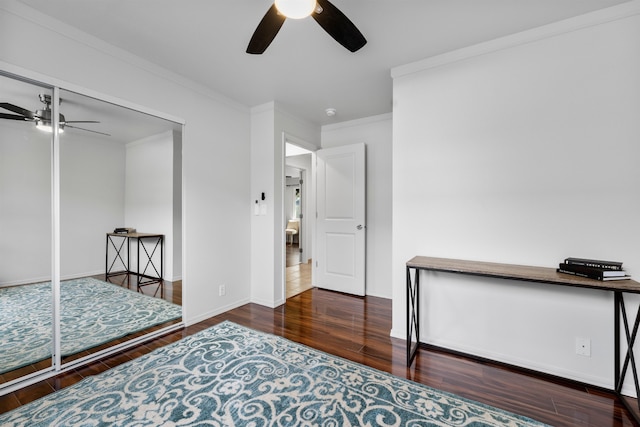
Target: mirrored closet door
(26,325)
(119,169)
(119,221)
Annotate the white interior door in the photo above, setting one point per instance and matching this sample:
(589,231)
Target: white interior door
(341,228)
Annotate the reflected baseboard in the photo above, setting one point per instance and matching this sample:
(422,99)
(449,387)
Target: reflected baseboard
(172,292)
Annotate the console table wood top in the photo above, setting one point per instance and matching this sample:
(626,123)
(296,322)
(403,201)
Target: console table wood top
(135,235)
(519,272)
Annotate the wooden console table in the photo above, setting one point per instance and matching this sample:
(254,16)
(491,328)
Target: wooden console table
(529,274)
(143,278)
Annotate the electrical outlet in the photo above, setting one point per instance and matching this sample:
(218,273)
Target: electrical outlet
(583,346)
(222,291)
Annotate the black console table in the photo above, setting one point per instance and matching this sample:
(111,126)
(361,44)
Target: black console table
(530,274)
(148,243)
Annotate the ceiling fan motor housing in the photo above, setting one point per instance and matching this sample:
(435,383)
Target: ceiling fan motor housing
(44,116)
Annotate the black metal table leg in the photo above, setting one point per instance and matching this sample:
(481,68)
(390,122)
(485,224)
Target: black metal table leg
(142,278)
(620,374)
(118,255)
(413,314)
(142,272)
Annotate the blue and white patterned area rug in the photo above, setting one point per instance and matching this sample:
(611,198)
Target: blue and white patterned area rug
(229,375)
(92,312)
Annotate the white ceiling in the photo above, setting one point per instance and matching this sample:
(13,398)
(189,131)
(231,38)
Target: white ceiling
(304,69)
(121,124)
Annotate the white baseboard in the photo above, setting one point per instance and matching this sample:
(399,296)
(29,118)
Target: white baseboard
(188,321)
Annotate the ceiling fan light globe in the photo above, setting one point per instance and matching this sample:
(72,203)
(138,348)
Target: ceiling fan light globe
(296,9)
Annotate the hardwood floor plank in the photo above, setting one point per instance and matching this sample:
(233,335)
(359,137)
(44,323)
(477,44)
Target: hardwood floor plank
(357,328)
(8,402)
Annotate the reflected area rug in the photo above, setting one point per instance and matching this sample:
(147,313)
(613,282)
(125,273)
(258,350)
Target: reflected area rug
(92,312)
(229,375)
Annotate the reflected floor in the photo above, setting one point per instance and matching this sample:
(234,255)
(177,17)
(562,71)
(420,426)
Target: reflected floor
(172,292)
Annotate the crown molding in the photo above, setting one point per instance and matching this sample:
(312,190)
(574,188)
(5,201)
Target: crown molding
(358,122)
(24,12)
(591,19)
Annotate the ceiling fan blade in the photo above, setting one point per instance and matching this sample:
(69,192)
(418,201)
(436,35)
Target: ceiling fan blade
(338,26)
(79,121)
(26,113)
(87,130)
(266,31)
(13,117)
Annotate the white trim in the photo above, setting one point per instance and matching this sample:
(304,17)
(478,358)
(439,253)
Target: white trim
(146,139)
(38,78)
(268,303)
(183,223)
(591,19)
(55,230)
(267,106)
(291,139)
(24,381)
(282,221)
(303,122)
(27,13)
(66,277)
(221,310)
(357,122)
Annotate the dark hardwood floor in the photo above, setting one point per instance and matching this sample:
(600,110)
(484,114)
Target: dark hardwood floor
(358,329)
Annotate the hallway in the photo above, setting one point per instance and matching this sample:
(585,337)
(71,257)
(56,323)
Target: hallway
(298,274)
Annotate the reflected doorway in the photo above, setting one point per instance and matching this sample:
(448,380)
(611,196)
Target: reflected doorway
(293,212)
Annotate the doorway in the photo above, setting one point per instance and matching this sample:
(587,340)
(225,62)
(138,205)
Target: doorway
(297,238)
(293,212)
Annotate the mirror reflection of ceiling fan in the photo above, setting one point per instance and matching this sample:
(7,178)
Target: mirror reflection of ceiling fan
(329,17)
(42,118)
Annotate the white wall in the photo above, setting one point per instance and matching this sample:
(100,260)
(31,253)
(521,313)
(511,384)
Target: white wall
(270,124)
(91,202)
(263,263)
(376,133)
(215,143)
(523,150)
(149,199)
(25,201)
(92,176)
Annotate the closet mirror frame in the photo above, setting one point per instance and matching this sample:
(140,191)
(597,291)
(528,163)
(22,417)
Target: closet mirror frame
(58,363)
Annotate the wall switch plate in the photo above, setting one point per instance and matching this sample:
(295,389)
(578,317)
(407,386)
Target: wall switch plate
(583,346)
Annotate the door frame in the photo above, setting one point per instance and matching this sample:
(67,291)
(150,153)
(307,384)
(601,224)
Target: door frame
(309,222)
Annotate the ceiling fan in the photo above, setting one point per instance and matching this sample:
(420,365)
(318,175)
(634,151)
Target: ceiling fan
(42,118)
(330,18)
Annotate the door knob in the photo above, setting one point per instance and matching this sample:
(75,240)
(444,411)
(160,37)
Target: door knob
(359,227)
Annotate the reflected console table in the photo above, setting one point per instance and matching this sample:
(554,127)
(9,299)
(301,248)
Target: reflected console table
(147,244)
(530,274)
